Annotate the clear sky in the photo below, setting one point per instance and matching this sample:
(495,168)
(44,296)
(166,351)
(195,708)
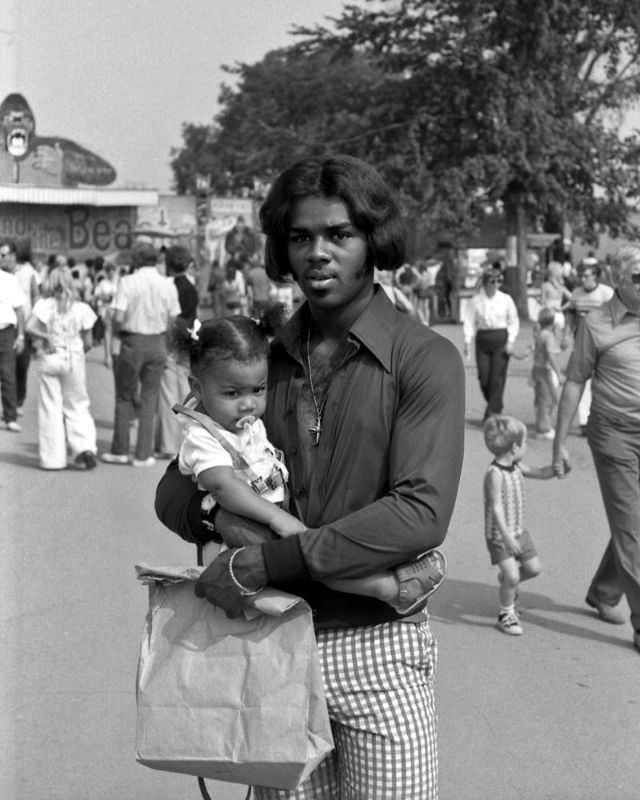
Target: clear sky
(120,77)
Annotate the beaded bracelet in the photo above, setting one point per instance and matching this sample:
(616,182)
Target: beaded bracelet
(243,589)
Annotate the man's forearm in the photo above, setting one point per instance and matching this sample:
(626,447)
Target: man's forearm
(19,321)
(569,400)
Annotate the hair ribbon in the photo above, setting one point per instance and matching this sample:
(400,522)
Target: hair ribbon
(194,332)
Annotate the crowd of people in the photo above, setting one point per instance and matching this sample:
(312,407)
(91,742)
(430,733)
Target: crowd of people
(321,398)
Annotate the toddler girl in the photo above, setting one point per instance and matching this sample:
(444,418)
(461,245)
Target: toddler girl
(226,450)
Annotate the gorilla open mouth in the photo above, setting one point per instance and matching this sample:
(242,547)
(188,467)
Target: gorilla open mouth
(18,142)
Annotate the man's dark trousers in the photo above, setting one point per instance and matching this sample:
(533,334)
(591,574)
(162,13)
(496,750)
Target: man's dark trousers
(138,373)
(8,373)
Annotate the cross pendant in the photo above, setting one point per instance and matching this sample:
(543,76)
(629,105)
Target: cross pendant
(316,430)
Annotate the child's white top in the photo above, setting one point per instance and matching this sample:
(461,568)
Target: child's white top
(200,450)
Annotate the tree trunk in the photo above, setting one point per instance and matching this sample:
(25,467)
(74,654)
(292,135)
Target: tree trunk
(516,246)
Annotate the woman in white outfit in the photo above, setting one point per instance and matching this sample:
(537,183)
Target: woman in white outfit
(61,328)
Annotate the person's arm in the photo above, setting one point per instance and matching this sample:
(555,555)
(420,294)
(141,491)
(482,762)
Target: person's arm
(569,401)
(513,324)
(37,330)
(87,340)
(541,473)
(18,345)
(236,496)
(493,501)
(87,318)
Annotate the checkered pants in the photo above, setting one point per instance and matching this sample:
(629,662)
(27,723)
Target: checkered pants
(379,689)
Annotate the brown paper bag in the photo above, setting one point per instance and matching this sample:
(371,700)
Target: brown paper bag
(238,700)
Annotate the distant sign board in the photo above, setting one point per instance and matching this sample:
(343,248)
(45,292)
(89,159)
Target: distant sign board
(173,218)
(79,231)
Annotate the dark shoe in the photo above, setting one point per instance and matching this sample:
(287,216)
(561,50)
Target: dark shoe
(418,581)
(606,612)
(89,459)
(85,460)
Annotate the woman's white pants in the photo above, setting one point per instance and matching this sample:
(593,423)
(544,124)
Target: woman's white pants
(64,416)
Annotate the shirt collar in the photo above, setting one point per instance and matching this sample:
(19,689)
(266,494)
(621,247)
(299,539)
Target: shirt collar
(372,329)
(505,467)
(619,310)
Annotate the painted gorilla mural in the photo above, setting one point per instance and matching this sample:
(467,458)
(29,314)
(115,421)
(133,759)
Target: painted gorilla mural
(26,157)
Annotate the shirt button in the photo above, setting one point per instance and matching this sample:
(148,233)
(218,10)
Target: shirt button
(301,492)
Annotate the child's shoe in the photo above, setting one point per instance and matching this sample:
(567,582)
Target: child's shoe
(509,623)
(418,581)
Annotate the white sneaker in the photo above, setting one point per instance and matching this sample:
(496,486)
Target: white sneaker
(509,623)
(144,462)
(550,434)
(114,458)
(14,427)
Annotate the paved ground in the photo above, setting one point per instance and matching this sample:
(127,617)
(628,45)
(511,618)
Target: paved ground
(553,715)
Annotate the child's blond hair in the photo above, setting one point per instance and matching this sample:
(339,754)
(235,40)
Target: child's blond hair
(501,432)
(546,317)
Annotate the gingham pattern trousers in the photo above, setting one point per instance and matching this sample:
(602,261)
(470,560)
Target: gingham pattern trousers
(379,689)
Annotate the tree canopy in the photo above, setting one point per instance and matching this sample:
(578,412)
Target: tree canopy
(462,104)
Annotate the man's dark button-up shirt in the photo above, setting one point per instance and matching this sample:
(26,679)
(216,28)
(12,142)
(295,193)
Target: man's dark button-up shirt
(379,488)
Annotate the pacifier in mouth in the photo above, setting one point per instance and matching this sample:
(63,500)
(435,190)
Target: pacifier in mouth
(245,422)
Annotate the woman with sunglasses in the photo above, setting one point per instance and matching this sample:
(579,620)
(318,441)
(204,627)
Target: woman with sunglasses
(492,320)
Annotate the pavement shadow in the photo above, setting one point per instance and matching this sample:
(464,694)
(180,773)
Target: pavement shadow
(474,604)
(27,456)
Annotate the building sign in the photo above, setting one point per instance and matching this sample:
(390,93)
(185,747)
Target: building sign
(78,231)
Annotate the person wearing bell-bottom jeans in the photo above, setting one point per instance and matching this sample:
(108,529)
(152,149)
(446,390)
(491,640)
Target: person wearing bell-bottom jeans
(60,327)
(144,308)
(63,388)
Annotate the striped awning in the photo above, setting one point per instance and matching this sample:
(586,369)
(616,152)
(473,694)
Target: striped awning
(54,196)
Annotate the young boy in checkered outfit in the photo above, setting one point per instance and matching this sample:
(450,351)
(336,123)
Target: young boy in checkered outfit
(510,546)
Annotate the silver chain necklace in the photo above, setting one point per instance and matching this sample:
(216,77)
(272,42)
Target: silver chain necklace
(316,428)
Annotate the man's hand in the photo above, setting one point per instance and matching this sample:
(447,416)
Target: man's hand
(18,344)
(561,461)
(508,348)
(218,587)
(237,531)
